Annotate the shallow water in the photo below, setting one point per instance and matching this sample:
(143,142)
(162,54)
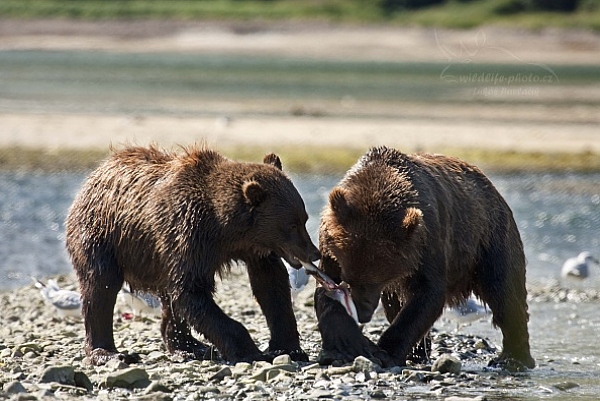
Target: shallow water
(558,215)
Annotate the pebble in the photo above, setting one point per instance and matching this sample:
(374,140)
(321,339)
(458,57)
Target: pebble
(41,357)
(221,374)
(447,364)
(564,386)
(128,378)
(13,387)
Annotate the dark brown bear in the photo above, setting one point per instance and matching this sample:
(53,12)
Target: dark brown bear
(167,223)
(420,232)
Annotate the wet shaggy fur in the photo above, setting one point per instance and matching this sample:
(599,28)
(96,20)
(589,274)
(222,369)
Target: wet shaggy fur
(419,232)
(167,223)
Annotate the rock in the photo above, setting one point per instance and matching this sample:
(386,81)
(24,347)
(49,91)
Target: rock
(44,394)
(115,364)
(341,370)
(81,380)
(59,374)
(446,364)
(208,389)
(284,359)
(240,369)
(154,397)
(455,398)
(156,356)
(565,386)
(14,387)
(378,394)
(320,393)
(362,364)
(221,374)
(416,377)
(127,378)
(155,387)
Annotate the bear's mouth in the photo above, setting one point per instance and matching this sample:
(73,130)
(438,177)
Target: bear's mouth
(291,260)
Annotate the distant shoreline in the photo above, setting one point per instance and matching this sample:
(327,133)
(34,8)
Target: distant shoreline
(505,136)
(307,39)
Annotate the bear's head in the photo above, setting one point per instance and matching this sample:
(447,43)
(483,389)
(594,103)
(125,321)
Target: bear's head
(278,214)
(374,235)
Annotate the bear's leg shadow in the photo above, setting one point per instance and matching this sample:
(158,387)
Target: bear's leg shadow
(423,305)
(176,333)
(502,287)
(270,285)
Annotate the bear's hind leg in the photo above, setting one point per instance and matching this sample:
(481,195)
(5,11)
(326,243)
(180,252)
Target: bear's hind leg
(177,335)
(392,306)
(424,303)
(502,287)
(99,294)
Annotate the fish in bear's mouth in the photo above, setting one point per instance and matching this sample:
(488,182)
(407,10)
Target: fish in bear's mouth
(340,292)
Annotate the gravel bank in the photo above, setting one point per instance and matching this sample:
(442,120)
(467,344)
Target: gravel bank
(41,357)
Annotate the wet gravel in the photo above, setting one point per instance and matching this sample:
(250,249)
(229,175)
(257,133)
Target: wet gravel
(41,357)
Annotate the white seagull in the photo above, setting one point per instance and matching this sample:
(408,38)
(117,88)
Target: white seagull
(140,302)
(66,302)
(578,267)
(466,312)
(298,280)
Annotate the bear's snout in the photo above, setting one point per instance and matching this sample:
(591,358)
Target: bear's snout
(296,256)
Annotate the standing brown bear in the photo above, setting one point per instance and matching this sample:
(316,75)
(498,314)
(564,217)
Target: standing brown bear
(167,223)
(420,232)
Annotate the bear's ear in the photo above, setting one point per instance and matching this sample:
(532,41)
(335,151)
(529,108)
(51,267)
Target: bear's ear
(339,203)
(253,192)
(273,159)
(412,219)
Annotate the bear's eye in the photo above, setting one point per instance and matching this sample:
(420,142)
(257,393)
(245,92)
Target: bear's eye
(293,227)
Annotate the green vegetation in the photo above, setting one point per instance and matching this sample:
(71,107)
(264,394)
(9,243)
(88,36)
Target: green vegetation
(309,159)
(449,13)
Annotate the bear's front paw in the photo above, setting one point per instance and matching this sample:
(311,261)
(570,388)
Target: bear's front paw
(100,356)
(508,364)
(250,358)
(347,350)
(297,355)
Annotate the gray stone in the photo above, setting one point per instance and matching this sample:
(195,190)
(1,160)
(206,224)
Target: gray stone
(128,378)
(158,396)
(284,359)
(81,380)
(565,386)
(362,364)
(14,387)
(320,393)
(115,364)
(208,389)
(155,387)
(446,364)
(240,369)
(59,374)
(378,394)
(221,374)
(156,356)
(341,370)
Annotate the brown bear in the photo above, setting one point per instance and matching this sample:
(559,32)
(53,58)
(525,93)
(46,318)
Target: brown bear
(418,232)
(167,223)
